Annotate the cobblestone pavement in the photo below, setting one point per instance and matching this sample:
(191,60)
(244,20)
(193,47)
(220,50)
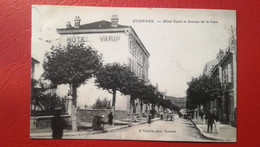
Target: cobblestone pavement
(178,130)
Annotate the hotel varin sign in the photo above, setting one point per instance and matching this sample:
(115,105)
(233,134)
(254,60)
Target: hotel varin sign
(83,39)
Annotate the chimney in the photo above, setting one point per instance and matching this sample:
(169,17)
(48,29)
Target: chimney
(77,21)
(68,25)
(220,55)
(114,21)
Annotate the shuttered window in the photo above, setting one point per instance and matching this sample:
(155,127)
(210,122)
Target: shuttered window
(229,70)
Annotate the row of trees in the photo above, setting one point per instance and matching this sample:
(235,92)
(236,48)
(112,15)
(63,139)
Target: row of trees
(76,63)
(202,90)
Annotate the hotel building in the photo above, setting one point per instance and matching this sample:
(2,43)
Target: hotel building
(116,43)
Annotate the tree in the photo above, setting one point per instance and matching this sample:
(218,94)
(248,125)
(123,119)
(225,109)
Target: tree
(112,77)
(102,104)
(73,65)
(203,89)
(148,94)
(134,87)
(85,106)
(43,98)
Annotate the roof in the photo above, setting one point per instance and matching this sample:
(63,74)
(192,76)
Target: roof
(103,24)
(209,66)
(34,60)
(221,61)
(100,27)
(225,57)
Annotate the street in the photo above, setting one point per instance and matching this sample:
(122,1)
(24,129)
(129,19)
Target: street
(178,130)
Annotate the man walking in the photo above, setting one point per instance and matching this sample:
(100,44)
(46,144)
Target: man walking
(210,119)
(110,118)
(57,124)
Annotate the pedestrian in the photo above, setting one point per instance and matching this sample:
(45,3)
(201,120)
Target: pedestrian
(216,121)
(102,122)
(210,119)
(110,118)
(201,115)
(161,115)
(57,124)
(149,119)
(204,119)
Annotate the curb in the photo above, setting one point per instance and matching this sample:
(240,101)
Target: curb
(79,133)
(39,135)
(205,136)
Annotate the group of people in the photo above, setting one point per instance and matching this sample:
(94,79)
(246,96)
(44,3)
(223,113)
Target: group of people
(212,120)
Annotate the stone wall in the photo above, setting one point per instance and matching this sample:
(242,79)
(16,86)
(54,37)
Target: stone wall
(86,115)
(45,121)
(83,115)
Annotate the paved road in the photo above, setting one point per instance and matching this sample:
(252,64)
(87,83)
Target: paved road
(177,130)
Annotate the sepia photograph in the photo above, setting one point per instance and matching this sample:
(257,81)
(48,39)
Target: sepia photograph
(147,74)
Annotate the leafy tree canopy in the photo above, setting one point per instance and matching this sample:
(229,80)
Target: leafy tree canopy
(73,64)
(102,104)
(202,90)
(43,98)
(112,77)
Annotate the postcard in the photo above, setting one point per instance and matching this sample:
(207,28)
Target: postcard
(156,74)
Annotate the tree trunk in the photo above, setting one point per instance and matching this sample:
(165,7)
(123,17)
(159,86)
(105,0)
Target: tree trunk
(131,111)
(74,109)
(113,104)
(134,106)
(141,109)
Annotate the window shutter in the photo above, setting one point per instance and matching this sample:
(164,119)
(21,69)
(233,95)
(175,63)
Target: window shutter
(229,73)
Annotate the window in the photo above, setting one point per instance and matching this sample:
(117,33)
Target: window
(132,68)
(131,46)
(229,73)
(225,74)
(135,51)
(130,62)
(135,68)
(141,72)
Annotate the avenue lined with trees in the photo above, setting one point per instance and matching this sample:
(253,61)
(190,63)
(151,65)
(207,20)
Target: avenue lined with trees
(74,64)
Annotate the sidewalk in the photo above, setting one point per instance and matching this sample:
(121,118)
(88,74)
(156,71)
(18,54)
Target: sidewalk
(47,133)
(227,133)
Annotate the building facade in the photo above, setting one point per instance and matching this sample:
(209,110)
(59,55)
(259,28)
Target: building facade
(33,63)
(117,43)
(226,72)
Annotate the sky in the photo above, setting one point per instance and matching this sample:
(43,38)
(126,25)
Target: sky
(178,51)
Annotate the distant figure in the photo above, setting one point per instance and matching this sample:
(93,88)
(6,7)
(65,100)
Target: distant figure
(161,115)
(210,118)
(216,121)
(57,124)
(153,112)
(204,119)
(149,119)
(110,118)
(201,115)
